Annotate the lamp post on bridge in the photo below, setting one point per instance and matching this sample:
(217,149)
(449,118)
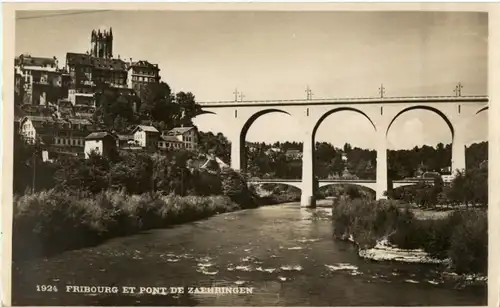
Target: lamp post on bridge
(309,93)
(458,89)
(236,93)
(381,90)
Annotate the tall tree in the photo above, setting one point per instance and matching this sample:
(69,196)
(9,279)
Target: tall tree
(188,108)
(157,103)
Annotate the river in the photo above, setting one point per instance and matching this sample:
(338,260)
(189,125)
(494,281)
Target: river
(285,253)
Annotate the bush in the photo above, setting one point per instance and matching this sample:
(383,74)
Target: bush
(366,221)
(53,221)
(461,236)
(235,187)
(468,249)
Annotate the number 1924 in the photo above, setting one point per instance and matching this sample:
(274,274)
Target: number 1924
(46,288)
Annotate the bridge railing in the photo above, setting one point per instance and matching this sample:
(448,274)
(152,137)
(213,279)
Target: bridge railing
(472,98)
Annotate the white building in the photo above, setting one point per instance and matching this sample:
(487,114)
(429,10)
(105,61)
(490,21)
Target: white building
(187,135)
(34,127)
(146,136)
(102,143)
(170,142)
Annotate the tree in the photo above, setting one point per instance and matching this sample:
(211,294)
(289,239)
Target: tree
(235,187)
(89,174)
(157,103)
(114,110)
(187,107)
(134,173)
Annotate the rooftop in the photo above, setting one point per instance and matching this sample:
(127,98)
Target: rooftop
(146,128)
(99,135)
(79,121)
(102,63)
(34,118)
(180,130)
(144,64)
(28,60)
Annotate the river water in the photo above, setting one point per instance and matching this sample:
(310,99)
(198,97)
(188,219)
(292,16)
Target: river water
(285,253)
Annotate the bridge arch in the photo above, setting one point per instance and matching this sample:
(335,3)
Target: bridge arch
(295,184)
(318,170)
(369,186)
(253,118)
(361,189)
(420,107)
(201,112)
(482,109)
(336,110)
(246,127)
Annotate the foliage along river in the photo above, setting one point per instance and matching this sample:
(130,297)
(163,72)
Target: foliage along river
(287,254)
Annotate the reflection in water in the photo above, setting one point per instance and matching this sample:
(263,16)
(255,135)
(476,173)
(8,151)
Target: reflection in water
(285,253)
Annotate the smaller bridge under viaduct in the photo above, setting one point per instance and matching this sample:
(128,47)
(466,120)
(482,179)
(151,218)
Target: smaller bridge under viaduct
(371,184)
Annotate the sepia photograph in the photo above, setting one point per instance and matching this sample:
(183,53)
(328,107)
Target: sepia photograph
(249,157)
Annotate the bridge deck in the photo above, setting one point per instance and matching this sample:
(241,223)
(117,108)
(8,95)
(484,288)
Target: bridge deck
(350,100)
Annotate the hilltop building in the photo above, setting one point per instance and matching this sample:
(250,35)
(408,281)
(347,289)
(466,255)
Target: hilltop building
(141,74)
(85,76)
(101,44)
(39,80)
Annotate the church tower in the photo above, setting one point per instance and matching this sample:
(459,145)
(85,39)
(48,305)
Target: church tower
(101,44)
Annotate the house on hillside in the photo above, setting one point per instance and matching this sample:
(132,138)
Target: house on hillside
(32,128)
(70,135)
(187,135)
(170,142)
(146,136)
(100,142)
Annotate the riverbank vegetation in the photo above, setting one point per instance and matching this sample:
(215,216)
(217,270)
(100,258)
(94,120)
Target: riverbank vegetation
(52,221)
(90,200)
(461,237)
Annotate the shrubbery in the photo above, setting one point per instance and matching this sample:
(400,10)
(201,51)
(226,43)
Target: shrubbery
(52,221)
(462,236)
(469,187)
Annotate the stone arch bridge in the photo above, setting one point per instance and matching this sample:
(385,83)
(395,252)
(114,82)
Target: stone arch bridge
(370,184)
(238,116)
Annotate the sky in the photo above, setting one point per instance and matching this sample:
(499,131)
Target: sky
(275,55)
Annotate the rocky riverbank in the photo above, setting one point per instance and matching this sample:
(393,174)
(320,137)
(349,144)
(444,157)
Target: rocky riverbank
(385,251)
(387,231)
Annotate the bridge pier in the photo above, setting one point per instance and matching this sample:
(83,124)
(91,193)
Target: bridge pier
(457,150)
(307,201)
(236,152)
(382,184)
(307,194)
